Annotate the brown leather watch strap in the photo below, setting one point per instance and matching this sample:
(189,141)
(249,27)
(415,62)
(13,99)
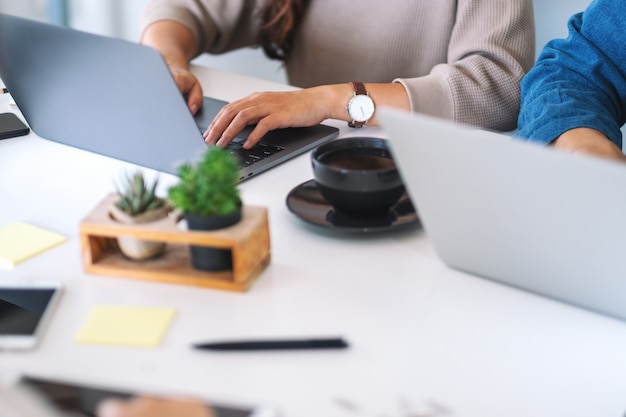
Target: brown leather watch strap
(359,88)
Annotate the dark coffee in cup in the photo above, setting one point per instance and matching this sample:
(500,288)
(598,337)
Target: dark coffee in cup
(357,176)
(349,160)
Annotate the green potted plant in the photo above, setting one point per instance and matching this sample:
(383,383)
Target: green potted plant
(208,198)
(138,203)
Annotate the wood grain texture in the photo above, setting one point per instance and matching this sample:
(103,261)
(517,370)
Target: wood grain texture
(249,241)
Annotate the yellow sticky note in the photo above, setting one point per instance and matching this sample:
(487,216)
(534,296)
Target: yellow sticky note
(20,241)
(125,326)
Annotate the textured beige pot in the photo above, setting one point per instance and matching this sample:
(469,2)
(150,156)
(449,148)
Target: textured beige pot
(134,248)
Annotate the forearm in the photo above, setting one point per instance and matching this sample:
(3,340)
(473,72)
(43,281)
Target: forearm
(173,40)
(337,97)
(306,107)
(589,141)
(177,44)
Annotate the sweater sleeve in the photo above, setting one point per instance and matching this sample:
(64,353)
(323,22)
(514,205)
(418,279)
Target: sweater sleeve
(579,81)
(491,48)
(217,25)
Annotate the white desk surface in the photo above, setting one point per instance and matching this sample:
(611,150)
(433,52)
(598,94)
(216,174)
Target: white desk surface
(425,339)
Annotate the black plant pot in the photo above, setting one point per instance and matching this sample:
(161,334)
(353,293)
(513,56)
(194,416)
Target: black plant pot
(206,258)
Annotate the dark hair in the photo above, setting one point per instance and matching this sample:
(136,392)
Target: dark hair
(280,20)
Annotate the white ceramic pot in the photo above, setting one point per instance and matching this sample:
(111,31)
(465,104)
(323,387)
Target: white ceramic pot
(132,247)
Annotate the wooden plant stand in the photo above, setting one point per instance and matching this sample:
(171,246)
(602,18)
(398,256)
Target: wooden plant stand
(248,240)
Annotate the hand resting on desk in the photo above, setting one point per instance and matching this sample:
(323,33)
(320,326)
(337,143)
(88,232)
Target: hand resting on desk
(144,406)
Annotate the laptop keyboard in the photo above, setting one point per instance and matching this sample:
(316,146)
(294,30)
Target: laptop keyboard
(248,157)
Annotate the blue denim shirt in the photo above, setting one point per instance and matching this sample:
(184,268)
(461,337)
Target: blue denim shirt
(579,81)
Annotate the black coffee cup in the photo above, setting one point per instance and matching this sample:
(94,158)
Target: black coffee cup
(357,176)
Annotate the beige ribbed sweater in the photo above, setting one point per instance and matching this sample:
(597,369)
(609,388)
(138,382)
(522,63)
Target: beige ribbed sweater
(461,60)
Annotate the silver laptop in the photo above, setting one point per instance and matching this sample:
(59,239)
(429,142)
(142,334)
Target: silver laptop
(536,218)
(117,98)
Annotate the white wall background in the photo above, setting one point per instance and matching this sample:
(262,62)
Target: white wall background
(34,9)
(551,18)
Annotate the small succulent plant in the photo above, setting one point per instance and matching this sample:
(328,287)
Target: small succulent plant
(137,195)
(209,187)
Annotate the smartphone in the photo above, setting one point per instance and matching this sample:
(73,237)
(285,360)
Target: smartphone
(11,126)
(25,308)
(81,400)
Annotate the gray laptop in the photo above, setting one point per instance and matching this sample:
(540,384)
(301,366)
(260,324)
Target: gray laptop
(536,218)
(117,98)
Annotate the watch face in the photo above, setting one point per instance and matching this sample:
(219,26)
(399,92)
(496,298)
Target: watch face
(361,108)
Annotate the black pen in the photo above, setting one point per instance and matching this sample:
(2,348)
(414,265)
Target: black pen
(335,343)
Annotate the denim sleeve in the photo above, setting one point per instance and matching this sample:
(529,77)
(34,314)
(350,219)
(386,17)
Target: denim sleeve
(579,81)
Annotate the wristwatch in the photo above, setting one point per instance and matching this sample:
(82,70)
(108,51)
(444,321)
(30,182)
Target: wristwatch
(361,106)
